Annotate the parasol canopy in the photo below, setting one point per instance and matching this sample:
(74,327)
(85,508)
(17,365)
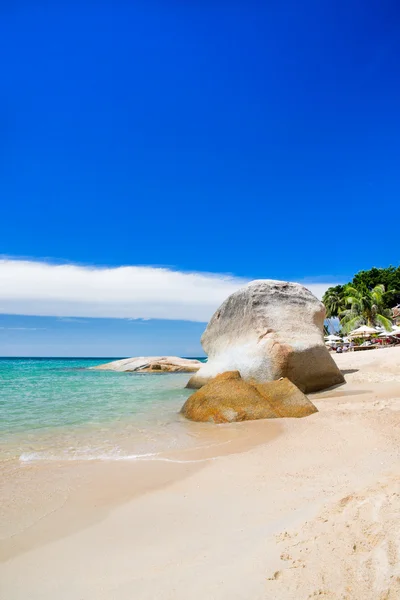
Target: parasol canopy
(363,331)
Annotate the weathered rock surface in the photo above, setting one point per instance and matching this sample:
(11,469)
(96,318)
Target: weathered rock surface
(267,330)
(152,364)
(228,398)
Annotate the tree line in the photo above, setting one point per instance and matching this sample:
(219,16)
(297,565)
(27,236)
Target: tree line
(366,300)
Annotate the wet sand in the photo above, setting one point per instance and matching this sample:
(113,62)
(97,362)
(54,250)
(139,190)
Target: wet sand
(45,500)
(289,509)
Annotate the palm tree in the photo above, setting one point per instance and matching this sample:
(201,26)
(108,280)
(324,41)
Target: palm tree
(333,301)
(364,307)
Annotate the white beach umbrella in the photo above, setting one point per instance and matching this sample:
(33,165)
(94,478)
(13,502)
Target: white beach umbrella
(395,331)
(363,331)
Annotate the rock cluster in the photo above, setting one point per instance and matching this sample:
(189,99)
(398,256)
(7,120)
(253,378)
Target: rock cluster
(267,330)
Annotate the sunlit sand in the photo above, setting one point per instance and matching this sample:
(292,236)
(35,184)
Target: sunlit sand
(292,508)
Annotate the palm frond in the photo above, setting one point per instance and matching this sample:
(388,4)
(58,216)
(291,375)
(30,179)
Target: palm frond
(351,300)
(384,321)
(352,323)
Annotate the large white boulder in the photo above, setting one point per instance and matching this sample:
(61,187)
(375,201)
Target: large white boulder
(267,330)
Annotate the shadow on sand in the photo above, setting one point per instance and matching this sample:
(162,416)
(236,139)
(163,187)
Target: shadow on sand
(345,372)
(338,394)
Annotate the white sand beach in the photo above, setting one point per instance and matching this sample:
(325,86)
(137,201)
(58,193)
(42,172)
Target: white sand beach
(293,509)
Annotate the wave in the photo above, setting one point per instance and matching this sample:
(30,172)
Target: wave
(28,457)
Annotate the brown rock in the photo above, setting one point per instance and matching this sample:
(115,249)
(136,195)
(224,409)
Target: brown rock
(285,398)
(228,398)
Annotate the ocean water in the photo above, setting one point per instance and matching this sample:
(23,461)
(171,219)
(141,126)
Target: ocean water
(58,409)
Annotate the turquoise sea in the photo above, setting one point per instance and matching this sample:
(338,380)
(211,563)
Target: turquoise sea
(58,409)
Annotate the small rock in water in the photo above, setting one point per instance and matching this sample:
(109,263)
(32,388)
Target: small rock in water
(151,364)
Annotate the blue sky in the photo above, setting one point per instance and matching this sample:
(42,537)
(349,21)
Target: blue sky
(258,140)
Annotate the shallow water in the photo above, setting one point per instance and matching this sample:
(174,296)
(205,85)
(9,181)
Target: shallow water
(58,409)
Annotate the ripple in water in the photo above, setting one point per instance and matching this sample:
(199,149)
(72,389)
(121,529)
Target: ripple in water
(56,409)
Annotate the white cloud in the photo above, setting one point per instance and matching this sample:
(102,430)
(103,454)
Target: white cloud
(44,289)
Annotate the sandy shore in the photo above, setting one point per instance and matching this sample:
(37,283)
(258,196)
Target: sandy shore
(292,509)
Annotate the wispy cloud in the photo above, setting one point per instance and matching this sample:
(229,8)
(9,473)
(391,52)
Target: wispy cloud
(71,320)
(23,328)
(38,288)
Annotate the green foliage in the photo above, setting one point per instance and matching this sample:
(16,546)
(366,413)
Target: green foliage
(364,307)
(366,300)
(389,277)
(333,301)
